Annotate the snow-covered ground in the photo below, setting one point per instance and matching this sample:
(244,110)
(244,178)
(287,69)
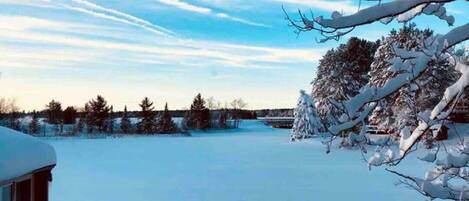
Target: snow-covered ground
(253,163)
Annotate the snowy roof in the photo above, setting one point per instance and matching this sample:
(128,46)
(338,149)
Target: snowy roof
(21,154)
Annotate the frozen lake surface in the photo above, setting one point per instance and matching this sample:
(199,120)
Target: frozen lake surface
(253,163)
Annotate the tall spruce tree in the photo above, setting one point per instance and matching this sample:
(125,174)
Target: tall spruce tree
(340,75)
(99,113)
(147,124)
(126,125)
(199,114)
(166,124)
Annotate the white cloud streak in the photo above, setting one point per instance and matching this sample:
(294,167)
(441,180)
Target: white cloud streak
(207,11)
(187,6)
(123,15)
(172,51)
(113,15)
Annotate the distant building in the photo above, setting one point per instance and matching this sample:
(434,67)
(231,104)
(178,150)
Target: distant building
(25,167)
(460,113)
(278,122)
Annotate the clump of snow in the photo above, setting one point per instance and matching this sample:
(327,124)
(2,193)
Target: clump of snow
(381,156)
(430,156)
(336,15)
(21,154)
(404,17)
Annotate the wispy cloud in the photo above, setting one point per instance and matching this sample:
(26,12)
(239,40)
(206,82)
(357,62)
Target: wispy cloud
(207,11)
(111,14)
(172,51)
(90,48)
(122,15)
(187,6)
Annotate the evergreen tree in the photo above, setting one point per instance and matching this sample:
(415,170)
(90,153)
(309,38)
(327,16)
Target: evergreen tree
(307,122)
(200,115)
(401,108)
(54,112)
(34,126)
(69,115)
(99,113)
(166,124)
(126,125)
(340,75)
(147,124)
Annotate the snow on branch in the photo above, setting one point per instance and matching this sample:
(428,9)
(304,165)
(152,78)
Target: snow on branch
(451,95)
(402,10)
(376,13)
(418,63)
(438,188)
(448,180)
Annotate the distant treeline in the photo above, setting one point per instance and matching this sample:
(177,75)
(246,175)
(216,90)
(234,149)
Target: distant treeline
(97,116)
(245,113)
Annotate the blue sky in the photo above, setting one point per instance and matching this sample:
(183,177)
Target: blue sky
(168,50)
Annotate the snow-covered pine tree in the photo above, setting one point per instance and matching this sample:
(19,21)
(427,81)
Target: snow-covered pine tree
(447,180)
(307,122)
(34,126)
(340,75)
(147,124)
(126,125)
(401,108)
(166,124)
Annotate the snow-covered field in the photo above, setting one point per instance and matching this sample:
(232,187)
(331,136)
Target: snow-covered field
(253,163)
